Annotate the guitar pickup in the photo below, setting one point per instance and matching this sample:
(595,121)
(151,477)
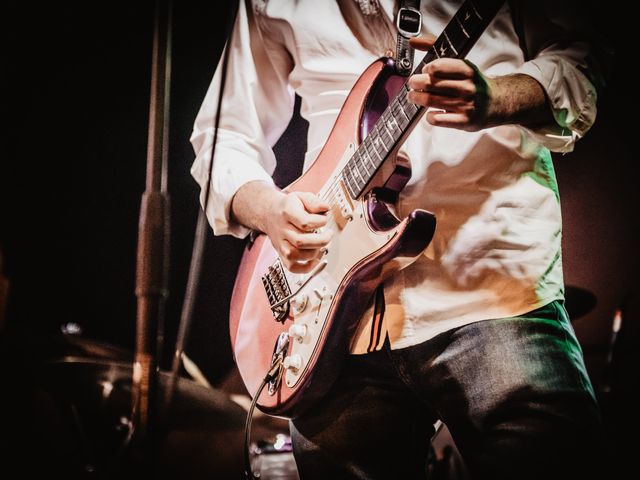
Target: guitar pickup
(342,208)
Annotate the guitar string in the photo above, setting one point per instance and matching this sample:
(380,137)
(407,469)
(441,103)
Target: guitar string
(334,187)
(330,195)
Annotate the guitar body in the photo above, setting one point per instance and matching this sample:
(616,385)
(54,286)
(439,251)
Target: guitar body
(369,244)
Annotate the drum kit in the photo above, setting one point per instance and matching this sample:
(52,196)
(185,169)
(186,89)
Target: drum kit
(79,410)
(70,408)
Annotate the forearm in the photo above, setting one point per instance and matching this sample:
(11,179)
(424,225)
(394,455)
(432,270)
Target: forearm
(517,99)
(462,97)
(253,203)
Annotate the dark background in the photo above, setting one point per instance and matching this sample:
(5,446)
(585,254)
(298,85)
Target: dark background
(75,96)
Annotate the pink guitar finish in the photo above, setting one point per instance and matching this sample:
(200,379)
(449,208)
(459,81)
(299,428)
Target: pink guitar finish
(312,317)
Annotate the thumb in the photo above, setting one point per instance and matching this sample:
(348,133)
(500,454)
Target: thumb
(423,42)
(312,203)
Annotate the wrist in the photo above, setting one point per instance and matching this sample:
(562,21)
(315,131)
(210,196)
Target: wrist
(255,203)
(499,110)
(517,99)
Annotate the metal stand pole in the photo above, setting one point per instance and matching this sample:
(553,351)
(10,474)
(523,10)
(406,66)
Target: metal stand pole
(153,242)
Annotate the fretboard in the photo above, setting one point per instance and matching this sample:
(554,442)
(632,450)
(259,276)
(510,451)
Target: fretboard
(400,116)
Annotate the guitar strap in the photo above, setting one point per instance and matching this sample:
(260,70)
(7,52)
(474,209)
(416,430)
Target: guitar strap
(375,31)
(369,24)
(409,24)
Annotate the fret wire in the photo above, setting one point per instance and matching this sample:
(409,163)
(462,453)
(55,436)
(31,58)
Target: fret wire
(386,131)
(343,180)
(380,147)
(375,150)
(386,126)
(361,156)
(346,182)
(412,108)
(353,167)
(378,137)
(458,39)
(395,126)
(368,157)
(369,149)
(375,143)
(352,186)
(449,40)
(352,192)
(350,167)
(364,154)
(362,169)
(461,26)
(467,15)
(351,178)
(475,10)
(401,116)
(401,113)
(359,178)
(391,119)
(360,175)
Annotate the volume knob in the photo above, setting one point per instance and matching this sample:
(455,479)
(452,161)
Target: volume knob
(298,332)
(293,362)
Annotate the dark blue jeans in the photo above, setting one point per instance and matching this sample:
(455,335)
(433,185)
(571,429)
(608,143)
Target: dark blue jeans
(514,393)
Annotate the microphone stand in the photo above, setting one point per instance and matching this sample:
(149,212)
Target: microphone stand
(153,246)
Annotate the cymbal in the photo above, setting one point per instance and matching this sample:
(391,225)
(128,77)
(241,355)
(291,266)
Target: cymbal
(578,301)
(73,415)
(87,347)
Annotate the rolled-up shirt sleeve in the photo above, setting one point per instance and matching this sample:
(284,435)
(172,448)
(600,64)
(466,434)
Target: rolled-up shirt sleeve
(257,105)
(559,40)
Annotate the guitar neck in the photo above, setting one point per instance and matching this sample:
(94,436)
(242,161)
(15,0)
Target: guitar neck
(401,116)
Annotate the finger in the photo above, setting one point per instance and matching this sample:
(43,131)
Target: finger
(296,267)
(294,254)
(452,88)
(418,98)
(419,81)
(423,42)
(298,261)
(308,240)
(450,104)
(451,68)
(296,213)
(306,222)
(459,121)
(313,203)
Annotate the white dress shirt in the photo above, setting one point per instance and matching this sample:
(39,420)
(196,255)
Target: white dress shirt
(497,247)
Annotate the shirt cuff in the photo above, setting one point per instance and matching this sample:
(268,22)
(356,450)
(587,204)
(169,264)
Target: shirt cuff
(572,99)
(232,169)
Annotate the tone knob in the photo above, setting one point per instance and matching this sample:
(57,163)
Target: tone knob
(297,332)
(293,362)
(299,303)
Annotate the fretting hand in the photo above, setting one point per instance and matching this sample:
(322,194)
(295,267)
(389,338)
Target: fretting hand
(460,96)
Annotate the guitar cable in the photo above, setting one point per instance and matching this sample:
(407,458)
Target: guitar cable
(273,371)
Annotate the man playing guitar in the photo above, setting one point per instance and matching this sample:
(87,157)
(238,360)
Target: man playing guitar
(473,330)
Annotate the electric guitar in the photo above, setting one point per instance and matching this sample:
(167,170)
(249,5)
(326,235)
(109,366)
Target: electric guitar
(300,326)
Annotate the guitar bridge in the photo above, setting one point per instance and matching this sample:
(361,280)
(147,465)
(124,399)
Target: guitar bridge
(277,289)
